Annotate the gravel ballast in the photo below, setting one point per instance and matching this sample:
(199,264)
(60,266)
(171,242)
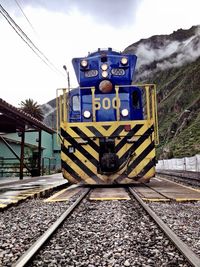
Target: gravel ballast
(183,219)
(109,233)
(99,233)
(22,225)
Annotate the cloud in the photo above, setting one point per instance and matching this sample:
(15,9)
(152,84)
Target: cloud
(168,55)
(147,55)
(113,12)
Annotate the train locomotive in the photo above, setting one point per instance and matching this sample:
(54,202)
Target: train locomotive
(108,126)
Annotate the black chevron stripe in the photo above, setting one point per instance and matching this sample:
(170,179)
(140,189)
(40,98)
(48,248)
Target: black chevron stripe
(149,165)
(136,145)
(85,137)
(80,148)
(70,171)
(95,131)
(114,134)
(106,127)
(134,164)
(80,164)
(117,131)
(144,153)
(129,135)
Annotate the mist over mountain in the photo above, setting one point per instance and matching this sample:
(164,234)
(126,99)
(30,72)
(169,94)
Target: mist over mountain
(49,111)
(161,52)
(172,62)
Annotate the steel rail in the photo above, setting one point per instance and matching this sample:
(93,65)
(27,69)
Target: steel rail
(192,258)
(188,181)
(27,256)
(176,175)
(163,195)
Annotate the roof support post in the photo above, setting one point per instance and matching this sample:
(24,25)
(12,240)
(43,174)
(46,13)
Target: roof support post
(14,153)
(22,155)
(39,151)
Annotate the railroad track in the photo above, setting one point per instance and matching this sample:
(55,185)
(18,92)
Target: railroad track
(115,211)
(192,258)
(188,180)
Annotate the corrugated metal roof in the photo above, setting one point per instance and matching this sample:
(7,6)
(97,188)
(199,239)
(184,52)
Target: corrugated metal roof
(13,119)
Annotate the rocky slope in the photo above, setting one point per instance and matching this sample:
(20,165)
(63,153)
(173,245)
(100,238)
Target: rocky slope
(173,63)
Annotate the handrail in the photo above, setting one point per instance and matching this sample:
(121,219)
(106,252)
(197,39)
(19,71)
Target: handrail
(150,105)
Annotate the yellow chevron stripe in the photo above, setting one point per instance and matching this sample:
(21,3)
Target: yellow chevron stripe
(69,177)
(83,128)
(143,145)
(137,152)
(87,147)
(99,126)
(141,165)
(150,173)
(77,169)
(113,126)
(84,160)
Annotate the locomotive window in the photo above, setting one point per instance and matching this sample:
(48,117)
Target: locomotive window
(118,72)
(91,73)
(135,99)
(76,103)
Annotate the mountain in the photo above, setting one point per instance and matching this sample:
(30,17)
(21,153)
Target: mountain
(49,111)
(172,62)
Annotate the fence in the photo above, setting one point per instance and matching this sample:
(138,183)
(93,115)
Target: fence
(10,167)
(181,164)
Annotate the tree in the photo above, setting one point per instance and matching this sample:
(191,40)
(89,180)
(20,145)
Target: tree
(32,108)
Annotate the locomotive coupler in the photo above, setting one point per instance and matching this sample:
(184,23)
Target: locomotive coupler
(109,160)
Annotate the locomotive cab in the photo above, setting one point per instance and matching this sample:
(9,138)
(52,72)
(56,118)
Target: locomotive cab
(104,70)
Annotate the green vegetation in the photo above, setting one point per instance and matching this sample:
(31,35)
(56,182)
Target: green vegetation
(179,110)
(32,108)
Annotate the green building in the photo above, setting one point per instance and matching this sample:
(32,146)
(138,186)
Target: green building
(27,146)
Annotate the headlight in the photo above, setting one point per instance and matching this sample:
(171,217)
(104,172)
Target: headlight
(124,112)
(86,114)
(84,63)
(105,86)
(104,66)
(124,60)
(104,74)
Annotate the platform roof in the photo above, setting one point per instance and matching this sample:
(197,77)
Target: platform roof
(13,120)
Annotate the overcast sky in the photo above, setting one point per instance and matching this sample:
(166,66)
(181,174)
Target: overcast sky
(63,29)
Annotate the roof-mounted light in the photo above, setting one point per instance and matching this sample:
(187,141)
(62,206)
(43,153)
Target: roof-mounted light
(124,61)
(84,63)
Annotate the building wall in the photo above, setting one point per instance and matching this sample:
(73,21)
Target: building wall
(50,149)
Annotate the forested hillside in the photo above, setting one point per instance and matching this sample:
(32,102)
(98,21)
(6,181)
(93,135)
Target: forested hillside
(173,63)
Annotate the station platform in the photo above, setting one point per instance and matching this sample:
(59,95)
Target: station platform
(13,190)
(158,190)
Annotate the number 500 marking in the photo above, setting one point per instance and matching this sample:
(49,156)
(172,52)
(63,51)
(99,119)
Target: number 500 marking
(106,103)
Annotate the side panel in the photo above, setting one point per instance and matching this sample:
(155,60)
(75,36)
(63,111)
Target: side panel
(134,145)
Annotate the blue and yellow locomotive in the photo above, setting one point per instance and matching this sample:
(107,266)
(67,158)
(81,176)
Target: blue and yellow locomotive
(108,126)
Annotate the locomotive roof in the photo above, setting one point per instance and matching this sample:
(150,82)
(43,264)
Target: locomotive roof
(108,51)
